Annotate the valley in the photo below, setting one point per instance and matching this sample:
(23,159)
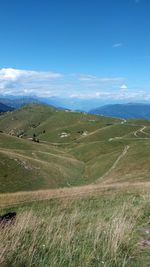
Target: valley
(84,173)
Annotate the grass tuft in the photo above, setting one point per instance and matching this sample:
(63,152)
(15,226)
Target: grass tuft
(71,236)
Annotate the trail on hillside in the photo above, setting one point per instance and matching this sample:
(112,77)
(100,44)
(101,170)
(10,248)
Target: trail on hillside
(144,131)
(140,131)
(27,197)
(19,155)
(135,133)
(10,199)
(94,132)
(124,152)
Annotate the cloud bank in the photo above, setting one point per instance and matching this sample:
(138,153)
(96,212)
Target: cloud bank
(54,84)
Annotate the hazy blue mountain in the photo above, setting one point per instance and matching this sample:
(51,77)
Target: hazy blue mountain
(5,108)
(64,103)
(94,105)
(17,102)
(73,103)
(126,111)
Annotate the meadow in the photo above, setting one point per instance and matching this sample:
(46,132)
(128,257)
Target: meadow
(81,200)
(103,228)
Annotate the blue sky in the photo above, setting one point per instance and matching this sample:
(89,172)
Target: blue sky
(75,48)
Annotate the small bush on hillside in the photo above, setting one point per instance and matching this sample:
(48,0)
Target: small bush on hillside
(34,139)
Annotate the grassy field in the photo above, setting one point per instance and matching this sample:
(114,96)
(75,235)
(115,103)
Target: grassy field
(81,194)
(26,165)
(48,123)
(87,154)
(105,228)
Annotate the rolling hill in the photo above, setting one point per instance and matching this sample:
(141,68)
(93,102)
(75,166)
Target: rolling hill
(29,165)
(49,123)
(126,111)
(81,194)
(73,148)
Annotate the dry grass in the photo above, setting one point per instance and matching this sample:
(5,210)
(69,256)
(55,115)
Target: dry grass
(68,239)
(10,199)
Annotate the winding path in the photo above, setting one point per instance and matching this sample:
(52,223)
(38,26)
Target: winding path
(11,199)
(124,152)
(139,131)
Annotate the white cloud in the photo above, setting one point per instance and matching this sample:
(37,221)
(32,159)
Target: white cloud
(117,45)
(73,96)
(92,78)
(124,87)
(48,84)
(15,81)
(25,82)
(9,74)
(85,78)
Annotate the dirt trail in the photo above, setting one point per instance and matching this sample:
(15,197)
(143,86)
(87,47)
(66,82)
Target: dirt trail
(144,131)
(10,199)
(140,131)
(124,152)
(91,133)
(27,197)
(31,158)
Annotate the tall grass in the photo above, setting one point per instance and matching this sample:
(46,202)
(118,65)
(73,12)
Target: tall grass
(69,237)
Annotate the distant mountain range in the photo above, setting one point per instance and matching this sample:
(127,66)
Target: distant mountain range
(125,111)
(122,110)
(5,108)
(64,103)
(16,102)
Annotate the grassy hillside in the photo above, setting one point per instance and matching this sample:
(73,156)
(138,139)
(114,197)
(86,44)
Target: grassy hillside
(49,123)
(135,166)
(26,165)
(108,228)
(74,149)
(21,120)
(81,194)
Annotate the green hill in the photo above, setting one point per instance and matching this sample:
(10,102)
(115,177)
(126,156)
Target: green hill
(81,193)
(74,149)
(22,120)
(26,165)
(49,123)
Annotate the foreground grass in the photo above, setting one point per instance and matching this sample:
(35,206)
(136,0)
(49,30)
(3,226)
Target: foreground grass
(97,230)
